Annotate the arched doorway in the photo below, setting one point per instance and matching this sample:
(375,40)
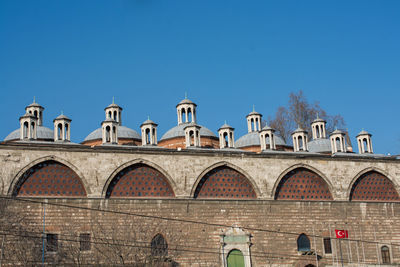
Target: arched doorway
(235,258)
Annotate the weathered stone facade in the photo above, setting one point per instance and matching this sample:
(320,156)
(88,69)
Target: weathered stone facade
(193,227)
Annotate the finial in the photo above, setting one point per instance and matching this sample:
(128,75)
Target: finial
(62,112)
(185,95)
(34,99)
(113,100)
(225,121)
(148,117)
(317,115)
(254,109)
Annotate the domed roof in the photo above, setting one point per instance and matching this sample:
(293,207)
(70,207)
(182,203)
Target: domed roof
(34,104)
(123,132)
(62,117)
(186,101)
(337,132)
(113,105)
(267,127)
(363,133)
(299,130)
(225,126)
(253,139)
(320,145)
(178,131)
(43,133)
(148,121)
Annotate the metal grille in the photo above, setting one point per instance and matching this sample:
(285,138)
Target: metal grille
(373,186)
(303,184)
(50,178)
(139,181)
(224,182)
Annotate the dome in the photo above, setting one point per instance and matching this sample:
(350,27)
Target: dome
(178,131)
(113,105)
(62,117)
(320,146)
(253,139)
(363,132)
(123,132)
(186,101)
(148,121)
(43,133)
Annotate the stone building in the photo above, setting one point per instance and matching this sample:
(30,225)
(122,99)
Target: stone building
(193,198)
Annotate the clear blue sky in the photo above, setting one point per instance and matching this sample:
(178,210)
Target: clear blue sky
(228,55)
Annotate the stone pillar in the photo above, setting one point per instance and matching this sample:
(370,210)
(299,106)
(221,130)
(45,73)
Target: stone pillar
(192,131)
(28,127)
(65,129)
(338,142)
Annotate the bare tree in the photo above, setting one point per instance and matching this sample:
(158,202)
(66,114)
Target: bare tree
(300,113)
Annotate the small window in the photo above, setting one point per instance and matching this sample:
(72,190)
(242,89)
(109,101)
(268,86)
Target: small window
(303,243)
(84,242)
(52,242)
(327,245)
(159,246)
(385,254)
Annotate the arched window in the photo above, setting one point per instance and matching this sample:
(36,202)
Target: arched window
(303,243)
(25,130)
(226,141)
(115,116)
(235,258)
(147,132)
(59,131)
(49,178)
(385,254)
(224,182)
(108,134)
(373,186)
(303,184)
(141,181)
(159,246)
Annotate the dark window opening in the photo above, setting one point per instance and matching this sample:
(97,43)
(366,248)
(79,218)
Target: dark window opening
(84,242)
(159,246)
(327,245)
(303,243)
(52,242)
(385,254)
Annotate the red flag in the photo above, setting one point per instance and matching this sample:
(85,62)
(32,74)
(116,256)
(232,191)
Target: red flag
(342,233)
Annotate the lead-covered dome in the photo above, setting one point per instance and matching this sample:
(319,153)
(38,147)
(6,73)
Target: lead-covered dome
(320,146)
(43,134)
(123,132)
(178,131)
(253,139)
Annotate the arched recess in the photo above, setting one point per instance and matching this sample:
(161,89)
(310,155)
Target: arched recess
(372,185)
(302,183)
(48,177)
(139,179)
(224,180)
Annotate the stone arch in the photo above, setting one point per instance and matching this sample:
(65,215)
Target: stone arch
(374,173)
(139,162)
(220,165)
(315,195)
(55,164)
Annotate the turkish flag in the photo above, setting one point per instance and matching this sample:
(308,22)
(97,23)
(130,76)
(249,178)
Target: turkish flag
(342,233)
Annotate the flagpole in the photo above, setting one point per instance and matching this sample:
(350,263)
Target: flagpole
(315,245)
(330,240)
(340,247)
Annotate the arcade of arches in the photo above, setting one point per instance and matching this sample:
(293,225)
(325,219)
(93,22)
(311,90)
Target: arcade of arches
(53,179)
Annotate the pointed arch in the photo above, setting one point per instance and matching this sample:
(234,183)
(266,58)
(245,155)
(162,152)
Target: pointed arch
(19,175)
(303,183)
(373,184)
(139,178)
(159,246)
(224,180)
(303,243)
(48,177)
